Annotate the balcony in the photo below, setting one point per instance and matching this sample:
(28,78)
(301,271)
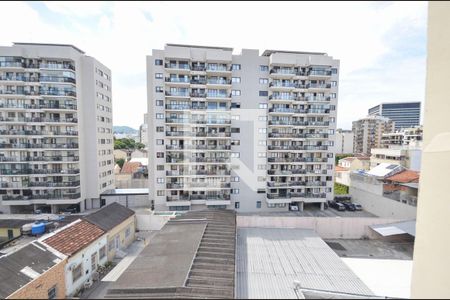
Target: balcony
(198,81)
(63,66)
(177,80)
(41,197)
(318,86)
(39,106)
(216,68)
(282,84)
(19,78)
(177,120)
(38,171)
(281,97)
(39,120)
(178,106)
(218,95)
(281,110)
(38,146)
(278,71)
(59,93)
(197,147)
(297,159)
(11,64)
(177,94)
(198,68)
(218,82)
(315,123)
(177,66)
(57,79)
(36,132)
(198,95)
(320,73)
(318,99)
(19,92)
(54,184)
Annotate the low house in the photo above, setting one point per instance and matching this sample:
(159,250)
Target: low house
(120,154)
(132,175)
(35,271)
(10,229)
(85,246)
(118,222)
(349,164)
(139,153)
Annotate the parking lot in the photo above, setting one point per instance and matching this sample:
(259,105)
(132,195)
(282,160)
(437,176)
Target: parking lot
(314,211)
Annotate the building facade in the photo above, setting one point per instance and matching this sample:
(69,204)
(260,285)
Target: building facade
(344,141)
(368,132)
(243,131)
(56,143)
(404,114)
(143,132)
(402,137)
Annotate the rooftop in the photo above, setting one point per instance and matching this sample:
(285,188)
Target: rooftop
(13,223)
(270,260)
(406,176)
(201,47)
(130,167)
(71,239)
(340,169)
(384,169)
(24,265)
(44,44)
(270,52)
(109,216)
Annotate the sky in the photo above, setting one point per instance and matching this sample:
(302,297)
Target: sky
(381,46)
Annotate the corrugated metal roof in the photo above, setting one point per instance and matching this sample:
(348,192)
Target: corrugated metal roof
(269,260)
(408,227)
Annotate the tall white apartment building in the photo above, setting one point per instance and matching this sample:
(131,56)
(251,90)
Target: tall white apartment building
(56,140)
(344,141)
(241,131)
(143,132)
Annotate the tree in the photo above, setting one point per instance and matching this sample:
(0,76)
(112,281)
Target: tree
(340,189)
(120,162)
(341,156)
(140,146)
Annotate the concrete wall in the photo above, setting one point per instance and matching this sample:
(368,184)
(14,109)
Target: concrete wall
(4,232)
(131,201)
(38,288)
(119,231)
(125,181)
(431,264)
(327,228)
(83,257)
(381,206)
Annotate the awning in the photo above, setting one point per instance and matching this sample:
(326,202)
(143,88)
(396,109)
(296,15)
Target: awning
(407,227)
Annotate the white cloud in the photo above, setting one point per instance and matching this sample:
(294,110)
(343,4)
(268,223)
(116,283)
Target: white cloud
(125,32)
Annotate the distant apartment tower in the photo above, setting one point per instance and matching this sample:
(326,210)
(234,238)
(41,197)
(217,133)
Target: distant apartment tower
(56,140)
(368,131)
(143,132)
(404,114)
(344,141)
(241,131)
(402,137)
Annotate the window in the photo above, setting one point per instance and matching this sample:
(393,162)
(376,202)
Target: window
(330,131)
(334,83)
(77,272)
(158,62)
(127,232)
(159,75)
(159,128)
(235,93)
(261,191)
(234,178)
(262,143)
(263,93)
(264,68)
(159,142)
(159,103)
(334,71)
(263,105)
(258,204)
(234,191)
(235,142)
(329,167)
(94,261)
(51,293)
(235,105)
(160,193)
(236,79)
(332,107)
(261,178)
(111,245)
(159,180)
(333,95)
(262,130)
(262,167)
(235,130)
(236,205)
(263,81)
(262,118)
(235,154)
(159,89)
(160,116)
(235,67)
(235,117)
(159,154)
(160,167)
(102,252)
(262,154)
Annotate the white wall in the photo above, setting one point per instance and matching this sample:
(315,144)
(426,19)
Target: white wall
(327,228)
(84,257)
(133,200)
(382,206)
(146,220)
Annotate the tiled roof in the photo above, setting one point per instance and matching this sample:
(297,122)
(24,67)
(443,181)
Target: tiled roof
(74,238)
(405,177)
(109,216)
(340,169)
(130,167)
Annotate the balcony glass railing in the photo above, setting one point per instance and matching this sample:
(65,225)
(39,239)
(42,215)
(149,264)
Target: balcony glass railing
(44,197)
(37,132)
(38,146)
(178,80)
(38,171)
(57,66)
(177,94)
(57,79)
(218,95)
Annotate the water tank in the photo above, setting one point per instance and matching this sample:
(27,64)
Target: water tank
(38,228)
(26,228)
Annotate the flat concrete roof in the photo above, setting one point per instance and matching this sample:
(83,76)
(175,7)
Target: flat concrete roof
(167,260)
(44,44)
(125,192)
(201,47)
(270,52)
(270,260)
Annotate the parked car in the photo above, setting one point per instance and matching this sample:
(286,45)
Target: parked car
(349,206)
(71,209)
(357,206)
(337,205)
